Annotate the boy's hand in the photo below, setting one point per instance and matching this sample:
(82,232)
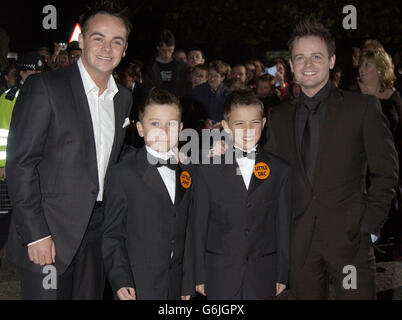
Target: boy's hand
(200,289)
(126,294)
(218,149)
(185,297)
(280,288)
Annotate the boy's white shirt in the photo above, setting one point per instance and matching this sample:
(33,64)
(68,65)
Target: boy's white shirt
(246,166)
(168,175)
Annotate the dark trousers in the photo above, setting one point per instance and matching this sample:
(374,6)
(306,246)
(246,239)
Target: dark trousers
(83,280)
(311,281)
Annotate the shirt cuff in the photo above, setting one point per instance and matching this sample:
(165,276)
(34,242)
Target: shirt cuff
(30,244)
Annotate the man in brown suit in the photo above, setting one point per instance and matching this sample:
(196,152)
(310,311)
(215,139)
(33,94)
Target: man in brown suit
(330,138)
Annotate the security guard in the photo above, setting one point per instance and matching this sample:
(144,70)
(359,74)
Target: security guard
(29,63)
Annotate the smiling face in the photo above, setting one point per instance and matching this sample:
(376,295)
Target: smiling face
(245,124)
(103,45)
(160,126)
(214,79)
(311,64)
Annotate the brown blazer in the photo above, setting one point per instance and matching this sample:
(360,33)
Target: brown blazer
(354,136)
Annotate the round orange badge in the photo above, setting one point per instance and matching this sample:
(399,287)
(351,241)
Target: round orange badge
(261,170)
(185,180)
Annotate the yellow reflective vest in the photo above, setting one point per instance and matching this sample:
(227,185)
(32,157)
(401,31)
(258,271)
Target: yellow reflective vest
(7,102)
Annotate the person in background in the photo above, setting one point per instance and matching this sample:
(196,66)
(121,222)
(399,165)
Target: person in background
(180,55)
(239,72)
(336,76)
(199,74)
(209,97)
(165,72)
(250,74)
(74,52)
(8,77)
(195,56)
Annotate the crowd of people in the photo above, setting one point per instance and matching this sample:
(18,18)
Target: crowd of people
(320,187)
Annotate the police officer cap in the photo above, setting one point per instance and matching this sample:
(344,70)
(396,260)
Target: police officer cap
(30,61)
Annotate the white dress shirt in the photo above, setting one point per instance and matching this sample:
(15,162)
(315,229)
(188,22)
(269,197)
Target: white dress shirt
(103,123)
(101,108)
(246,166)
(168,175)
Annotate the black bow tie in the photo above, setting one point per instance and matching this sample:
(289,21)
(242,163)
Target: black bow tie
(244,154)
(171,163)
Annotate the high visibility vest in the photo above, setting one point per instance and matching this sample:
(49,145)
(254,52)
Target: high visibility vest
(6,109)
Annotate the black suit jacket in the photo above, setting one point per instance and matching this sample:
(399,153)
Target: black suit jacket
(142,228)
(52,173)
(241,236)
(354,136)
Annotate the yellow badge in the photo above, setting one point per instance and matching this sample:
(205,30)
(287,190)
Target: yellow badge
(185,180)
(261,170)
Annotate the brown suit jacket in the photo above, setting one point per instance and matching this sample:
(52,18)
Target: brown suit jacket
(354,137)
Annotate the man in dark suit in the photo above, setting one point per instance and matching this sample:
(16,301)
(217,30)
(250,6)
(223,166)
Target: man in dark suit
(146,247)
(241,212)
(330,137)
(67,129)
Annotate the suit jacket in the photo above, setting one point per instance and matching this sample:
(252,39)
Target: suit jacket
(52,173)
(241,236)
(142,229)
(354,136)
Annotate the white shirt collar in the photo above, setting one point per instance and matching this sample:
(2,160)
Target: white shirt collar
(160,155)
(90,85)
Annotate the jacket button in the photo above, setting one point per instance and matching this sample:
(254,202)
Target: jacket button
(247,232)
(248,205)
(314,197)
(172,241)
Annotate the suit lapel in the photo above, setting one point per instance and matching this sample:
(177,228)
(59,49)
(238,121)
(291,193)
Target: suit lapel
(232,176)
(85,120)
(255,182)
(151,176)
(180,191)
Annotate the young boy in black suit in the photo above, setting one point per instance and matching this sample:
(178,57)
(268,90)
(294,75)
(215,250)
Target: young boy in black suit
(146,208)
(241,212)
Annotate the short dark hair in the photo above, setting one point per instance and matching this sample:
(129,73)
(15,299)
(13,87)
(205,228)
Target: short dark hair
(220,67)
(166,37)
(243,97)
(312,28)
(159,96)
(201,67)
(109,7)
(196,49)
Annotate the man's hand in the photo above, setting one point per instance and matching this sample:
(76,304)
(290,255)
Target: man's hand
(185,298)
(280,288)
(2,173)
(126,294)
(43,252)
(200,289)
